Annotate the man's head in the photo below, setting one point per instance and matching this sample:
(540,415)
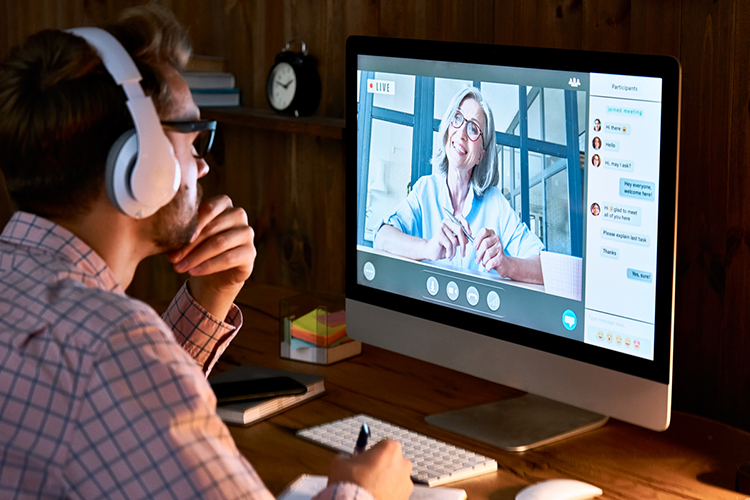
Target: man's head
(62,111)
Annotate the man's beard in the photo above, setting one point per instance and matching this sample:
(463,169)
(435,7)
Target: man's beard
(177,221)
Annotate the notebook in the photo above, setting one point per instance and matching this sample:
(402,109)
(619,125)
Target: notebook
(249,412)
(307,486)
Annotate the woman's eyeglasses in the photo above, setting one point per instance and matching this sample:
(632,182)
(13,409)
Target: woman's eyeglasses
(473,130)
(205,138)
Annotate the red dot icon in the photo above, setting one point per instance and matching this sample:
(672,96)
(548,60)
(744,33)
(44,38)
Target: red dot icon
(371,85)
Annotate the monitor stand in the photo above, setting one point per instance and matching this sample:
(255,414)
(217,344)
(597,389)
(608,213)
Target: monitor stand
(519,424)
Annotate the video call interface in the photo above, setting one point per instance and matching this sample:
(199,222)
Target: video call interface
(573,164)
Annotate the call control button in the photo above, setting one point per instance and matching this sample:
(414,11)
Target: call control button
(433,287)
(369,271)
(452,290)
(493,300)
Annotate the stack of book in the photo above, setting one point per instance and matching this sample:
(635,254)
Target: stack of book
(210,84)
(249,412)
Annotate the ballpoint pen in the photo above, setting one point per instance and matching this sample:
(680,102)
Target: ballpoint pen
(364,434)
(453,219)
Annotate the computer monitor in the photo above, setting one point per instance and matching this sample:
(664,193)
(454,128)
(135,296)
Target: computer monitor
(511,214)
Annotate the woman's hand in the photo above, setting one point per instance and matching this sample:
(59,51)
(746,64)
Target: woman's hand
(447,240)
(490,253)
(220,257)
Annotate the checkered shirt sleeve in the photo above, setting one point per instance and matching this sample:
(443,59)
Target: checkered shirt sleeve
(202,335)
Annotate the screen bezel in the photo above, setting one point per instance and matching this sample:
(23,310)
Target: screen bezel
(664,67)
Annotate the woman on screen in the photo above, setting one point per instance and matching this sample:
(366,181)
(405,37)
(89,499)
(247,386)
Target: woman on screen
(458,213)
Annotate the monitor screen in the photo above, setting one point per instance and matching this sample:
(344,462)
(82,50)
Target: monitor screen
(515,201)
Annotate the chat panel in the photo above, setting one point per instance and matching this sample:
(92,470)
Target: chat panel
(622,200)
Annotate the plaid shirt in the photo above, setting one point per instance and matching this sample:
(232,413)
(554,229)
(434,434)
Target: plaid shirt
(97,399)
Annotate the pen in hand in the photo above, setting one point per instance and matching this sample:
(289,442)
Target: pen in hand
(456,221)
(364,434)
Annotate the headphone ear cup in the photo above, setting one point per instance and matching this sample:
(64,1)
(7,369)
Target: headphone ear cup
(119,168)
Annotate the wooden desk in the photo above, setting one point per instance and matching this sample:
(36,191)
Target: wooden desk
(694,459)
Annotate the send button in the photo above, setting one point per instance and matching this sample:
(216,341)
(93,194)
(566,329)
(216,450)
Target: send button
(635,274)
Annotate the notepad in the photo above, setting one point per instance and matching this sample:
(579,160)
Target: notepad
(319,329)
(307,486)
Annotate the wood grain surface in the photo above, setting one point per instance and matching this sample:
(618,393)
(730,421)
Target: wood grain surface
(694,459)
(292,183)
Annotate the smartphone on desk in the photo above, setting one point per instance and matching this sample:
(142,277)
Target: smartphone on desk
(247,390)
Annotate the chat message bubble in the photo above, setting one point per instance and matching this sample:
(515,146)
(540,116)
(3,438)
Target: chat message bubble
(635,274)
(641,190)
(626,237)
(625,214)
(610,252)
(624,165)
(620,110)
(611,145)
(617,128)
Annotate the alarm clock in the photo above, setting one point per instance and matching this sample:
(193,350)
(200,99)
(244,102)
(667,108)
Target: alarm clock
(293,84)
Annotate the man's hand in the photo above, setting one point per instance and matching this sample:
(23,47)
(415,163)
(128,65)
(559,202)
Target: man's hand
(381,470)
(220,256)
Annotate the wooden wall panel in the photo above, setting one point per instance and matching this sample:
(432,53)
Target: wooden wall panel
(700,337)
(734,381)
(343,18)
(656,27)
(606,26)
(540,23)
(399,19)
(292,185)
(469,21)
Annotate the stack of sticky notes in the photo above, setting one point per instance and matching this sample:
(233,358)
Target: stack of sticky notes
(323,330)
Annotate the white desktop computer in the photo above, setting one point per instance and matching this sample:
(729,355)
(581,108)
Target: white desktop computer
(511,214)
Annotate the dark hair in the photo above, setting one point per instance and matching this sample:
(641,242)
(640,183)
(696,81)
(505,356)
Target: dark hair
(61,111)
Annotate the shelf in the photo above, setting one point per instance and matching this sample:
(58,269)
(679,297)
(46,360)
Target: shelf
(268,120)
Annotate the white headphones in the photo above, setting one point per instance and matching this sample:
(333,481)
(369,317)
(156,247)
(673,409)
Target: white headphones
(142,172)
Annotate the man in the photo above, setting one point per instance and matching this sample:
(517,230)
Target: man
(99,396)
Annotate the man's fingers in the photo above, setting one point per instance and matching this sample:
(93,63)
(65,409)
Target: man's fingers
(228,218)
(224,241)
(233,259)
(210,209)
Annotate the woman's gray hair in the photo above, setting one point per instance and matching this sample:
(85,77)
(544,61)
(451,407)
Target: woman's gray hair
(485,174)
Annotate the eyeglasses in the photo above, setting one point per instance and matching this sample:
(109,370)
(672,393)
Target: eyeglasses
(205,138)
(473,130)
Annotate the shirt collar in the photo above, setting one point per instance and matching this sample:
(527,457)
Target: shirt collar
(32,231)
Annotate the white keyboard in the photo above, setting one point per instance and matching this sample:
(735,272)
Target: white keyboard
(434,462)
